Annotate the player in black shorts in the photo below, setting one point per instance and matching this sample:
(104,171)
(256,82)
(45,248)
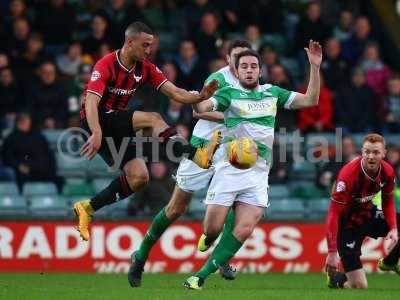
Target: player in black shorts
(114,79)
(352,216)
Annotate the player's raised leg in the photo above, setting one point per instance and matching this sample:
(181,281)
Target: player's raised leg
(135,176)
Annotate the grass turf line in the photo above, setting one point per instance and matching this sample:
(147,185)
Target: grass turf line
(60,286)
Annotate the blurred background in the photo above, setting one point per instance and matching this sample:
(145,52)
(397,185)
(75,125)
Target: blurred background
(48,48)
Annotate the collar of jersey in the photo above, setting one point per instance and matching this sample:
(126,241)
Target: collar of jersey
(121,64)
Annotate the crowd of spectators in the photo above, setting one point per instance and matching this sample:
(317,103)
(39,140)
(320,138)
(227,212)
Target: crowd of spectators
(49,47)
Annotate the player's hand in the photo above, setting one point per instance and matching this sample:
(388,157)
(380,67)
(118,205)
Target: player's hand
(209,90)
(393,237)
(92,145)
(314,53)
(332,263)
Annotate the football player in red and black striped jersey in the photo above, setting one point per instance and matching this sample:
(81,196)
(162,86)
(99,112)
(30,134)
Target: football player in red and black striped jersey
(352,216)
(114,79)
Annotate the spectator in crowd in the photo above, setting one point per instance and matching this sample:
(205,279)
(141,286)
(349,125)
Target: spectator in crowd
(191,73)
(156,55)
(269,59)
(317,118)
(68,63)
(253,36)
(393,157)
(17,9)
(28,153)
(355,105)
(19,37)
(176,112)
(26,64)
(75,93)
(334,68)
(6,173)
(117,13)
(216,64)
(311,27)
(194,12)
(49,99)
(343,31)
(353,47)
(330,170)
(280,77)
(376,72)
(281,166)
(208,38)
(52,20)
(11,98)
(99,35)
(391,105)
(155,195)
(4,61)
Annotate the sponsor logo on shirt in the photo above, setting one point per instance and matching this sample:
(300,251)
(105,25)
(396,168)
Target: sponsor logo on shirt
(95,75)
(365,199)
(137,78)
(351,245)
(340,186)
(119,92)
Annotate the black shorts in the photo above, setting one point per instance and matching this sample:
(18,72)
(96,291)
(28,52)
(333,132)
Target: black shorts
(116,126)
(350,240)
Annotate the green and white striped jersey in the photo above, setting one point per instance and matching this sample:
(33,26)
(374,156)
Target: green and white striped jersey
(251,113)
(203,129)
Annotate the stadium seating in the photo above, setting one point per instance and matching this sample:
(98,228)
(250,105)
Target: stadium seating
(286,209)
(13,206)
(278,191)
(99,184)
(74,167)
(317,208)
(49,206)
(39,188)
(71,189)
(305,170)
(8,188)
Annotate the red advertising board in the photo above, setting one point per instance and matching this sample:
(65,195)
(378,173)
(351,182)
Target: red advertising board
(56,246)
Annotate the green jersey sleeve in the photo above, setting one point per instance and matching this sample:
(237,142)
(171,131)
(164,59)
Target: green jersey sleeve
(222,99)
(219,77)
(284,96)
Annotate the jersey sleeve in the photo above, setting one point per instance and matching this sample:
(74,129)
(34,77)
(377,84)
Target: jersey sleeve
(218,77)
(339,198)
(156,76)
(285,97)
(221,100)
(99,78)
(388,207)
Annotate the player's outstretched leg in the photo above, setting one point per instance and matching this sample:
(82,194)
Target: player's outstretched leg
(226,271)
(135,176)
(175,208)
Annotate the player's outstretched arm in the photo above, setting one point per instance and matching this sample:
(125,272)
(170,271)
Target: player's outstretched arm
(183,96)
(214,116)
(311,97)
(93,144)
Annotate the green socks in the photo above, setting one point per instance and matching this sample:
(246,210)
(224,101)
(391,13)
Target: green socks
(223,252)
(157,228)
(229,223)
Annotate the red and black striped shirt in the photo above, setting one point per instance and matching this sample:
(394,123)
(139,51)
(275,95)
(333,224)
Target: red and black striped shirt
(351,203)
(115,83)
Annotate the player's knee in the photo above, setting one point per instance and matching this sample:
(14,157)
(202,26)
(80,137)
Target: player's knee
(212,230)
(359,284)
(243,231)
(173,212)
(136,180)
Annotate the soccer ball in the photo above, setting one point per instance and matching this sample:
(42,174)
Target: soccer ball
(242,153)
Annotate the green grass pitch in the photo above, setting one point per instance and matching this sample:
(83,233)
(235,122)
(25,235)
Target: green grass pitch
(59,286)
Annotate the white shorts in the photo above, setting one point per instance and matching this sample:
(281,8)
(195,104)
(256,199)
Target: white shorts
(230,184)
(190,177)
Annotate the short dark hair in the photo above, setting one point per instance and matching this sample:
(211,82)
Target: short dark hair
(249,52)
(238,44)
(137,28)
